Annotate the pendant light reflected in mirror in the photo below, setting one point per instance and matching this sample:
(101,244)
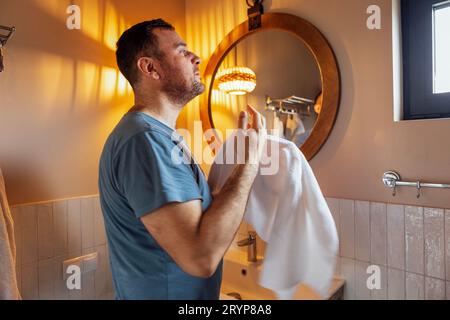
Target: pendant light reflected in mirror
(236,80)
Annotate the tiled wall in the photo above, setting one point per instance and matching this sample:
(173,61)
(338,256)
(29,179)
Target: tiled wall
(49,233)
(411,245)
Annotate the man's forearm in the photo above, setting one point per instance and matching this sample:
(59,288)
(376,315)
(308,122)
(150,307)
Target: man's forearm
(221,221)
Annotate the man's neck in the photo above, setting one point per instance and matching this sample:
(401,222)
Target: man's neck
(158,107)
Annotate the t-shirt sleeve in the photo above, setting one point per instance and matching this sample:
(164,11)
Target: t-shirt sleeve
(151,173)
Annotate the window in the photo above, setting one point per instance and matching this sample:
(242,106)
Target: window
(426,58)
(441,43)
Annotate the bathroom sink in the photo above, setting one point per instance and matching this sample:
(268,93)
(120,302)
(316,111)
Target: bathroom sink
(240,280)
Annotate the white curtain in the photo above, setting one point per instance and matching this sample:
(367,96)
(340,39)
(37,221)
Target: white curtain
(8,279)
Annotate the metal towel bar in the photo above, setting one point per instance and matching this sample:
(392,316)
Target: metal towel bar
(393,180)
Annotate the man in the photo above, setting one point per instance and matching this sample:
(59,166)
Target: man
(167,235)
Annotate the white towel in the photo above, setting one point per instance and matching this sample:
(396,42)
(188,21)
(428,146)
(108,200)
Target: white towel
(289,212)
(8,280)
(294,127)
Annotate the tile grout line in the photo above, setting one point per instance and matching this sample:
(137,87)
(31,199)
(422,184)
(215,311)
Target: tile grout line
(404,250)
(370,232)
(386,247)
(424,253)
(370,239)
(445,255)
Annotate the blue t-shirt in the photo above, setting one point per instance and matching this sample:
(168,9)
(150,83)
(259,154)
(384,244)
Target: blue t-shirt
(137,176)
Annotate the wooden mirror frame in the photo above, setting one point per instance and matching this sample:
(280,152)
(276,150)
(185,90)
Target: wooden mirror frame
(325,58)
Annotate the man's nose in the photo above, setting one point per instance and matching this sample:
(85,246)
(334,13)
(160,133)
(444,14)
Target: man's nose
(196,59)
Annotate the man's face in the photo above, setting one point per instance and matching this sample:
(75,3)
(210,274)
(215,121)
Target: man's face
(179,68)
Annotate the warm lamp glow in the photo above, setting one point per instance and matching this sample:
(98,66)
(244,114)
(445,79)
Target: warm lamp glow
(237,80)
(318,104)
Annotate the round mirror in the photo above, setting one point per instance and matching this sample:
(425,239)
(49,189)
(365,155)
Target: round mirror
(284,95)
(285,69)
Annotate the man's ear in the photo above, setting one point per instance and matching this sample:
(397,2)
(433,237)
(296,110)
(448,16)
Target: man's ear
(146,65)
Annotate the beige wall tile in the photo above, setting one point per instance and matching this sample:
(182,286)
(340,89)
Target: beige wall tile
(46,279)
(337,267)
(87,223)
(45,231)
(448,290)
(434,243)
(60,227)
(79,222)
(29,232)
(396,284)
(51,229)
(415,286)
(378,235)
(347,221)
(396,236)
(73,226)
(414,240)
(434,289)
(88,280)
(348,273)
(30,286)
(362,231)
(61,291)
(447,244)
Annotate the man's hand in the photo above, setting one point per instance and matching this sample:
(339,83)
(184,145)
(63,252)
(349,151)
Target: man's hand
(253,126)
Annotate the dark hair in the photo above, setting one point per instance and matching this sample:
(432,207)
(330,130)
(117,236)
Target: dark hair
(136,41)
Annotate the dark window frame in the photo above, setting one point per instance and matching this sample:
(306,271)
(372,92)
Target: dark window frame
(419,100)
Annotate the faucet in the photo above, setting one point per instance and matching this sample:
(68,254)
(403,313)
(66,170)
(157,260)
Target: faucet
(250,243)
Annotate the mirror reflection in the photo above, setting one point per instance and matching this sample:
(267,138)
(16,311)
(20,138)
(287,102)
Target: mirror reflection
(275,72)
